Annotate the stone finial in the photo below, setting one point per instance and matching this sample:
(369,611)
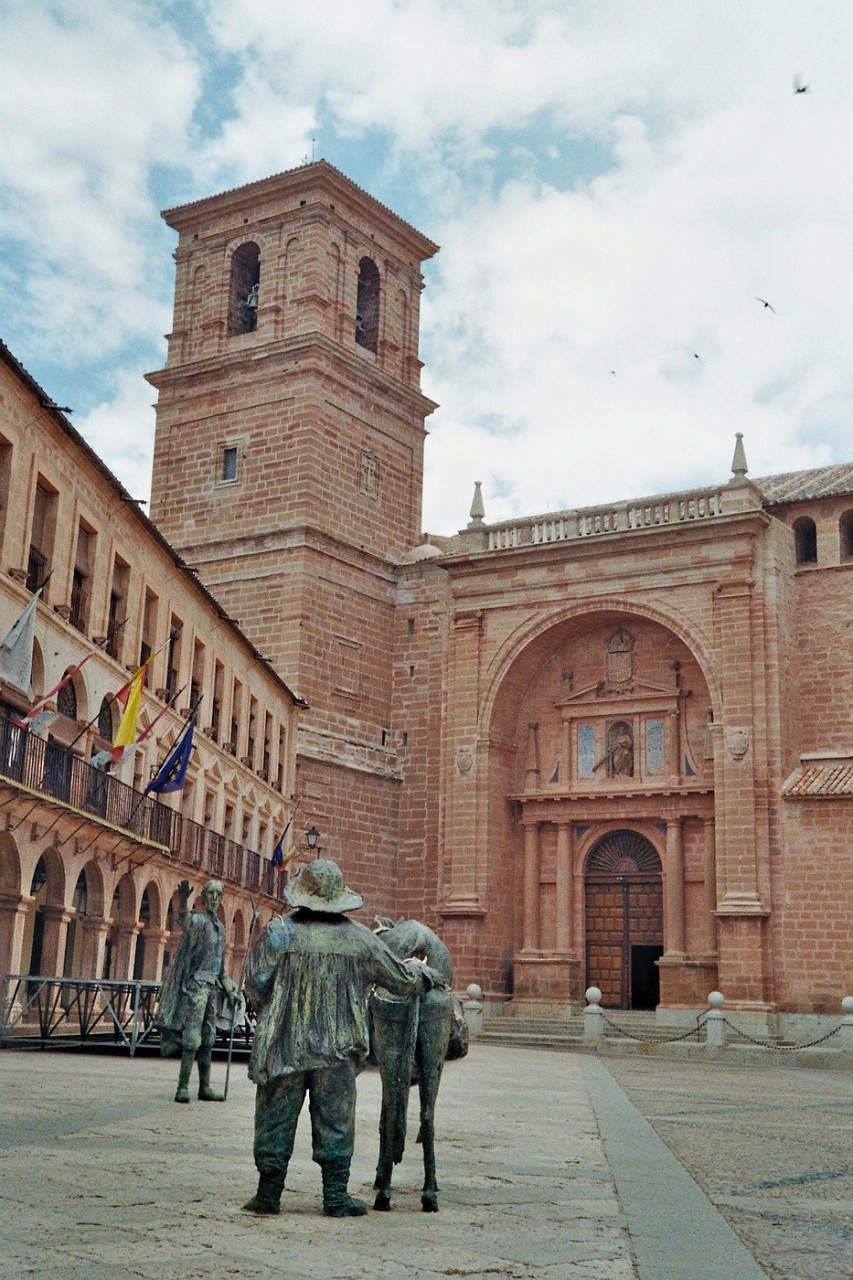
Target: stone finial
(739,467)
(477,509)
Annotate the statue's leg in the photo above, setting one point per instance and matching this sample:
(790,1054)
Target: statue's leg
(205,1053)
(433,1039)
(187,1060)
(277,1107)
(195,1004)
(331,1100)
(395,1028)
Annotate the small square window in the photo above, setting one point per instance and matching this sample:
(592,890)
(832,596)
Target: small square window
(229,462)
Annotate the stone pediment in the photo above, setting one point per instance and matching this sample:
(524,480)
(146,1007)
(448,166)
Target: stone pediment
(608,690)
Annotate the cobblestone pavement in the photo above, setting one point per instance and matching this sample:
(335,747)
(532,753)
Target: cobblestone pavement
(546,1172)
(771,1148)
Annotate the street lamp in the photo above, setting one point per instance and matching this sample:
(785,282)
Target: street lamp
(312,835)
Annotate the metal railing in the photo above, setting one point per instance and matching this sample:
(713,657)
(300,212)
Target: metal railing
(48,769)
(77,1010)
(69,1012)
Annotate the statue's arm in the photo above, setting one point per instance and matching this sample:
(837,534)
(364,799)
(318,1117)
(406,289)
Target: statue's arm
(262,962)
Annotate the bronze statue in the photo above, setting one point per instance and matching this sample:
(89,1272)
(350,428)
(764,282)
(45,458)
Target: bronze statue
(309,975)
(411,1040)
(189,997)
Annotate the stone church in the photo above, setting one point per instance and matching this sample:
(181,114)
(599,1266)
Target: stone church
(608,746)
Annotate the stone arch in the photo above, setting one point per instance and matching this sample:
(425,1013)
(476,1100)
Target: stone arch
(244,286)
(37,677)
(533,639)
(11,870)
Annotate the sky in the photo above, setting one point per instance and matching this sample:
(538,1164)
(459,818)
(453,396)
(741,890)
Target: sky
(617,189)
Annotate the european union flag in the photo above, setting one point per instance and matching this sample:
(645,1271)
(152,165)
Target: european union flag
(172,773)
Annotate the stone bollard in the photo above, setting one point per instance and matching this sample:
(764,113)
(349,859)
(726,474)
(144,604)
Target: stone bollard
(847,1023)
(715,1022)
(593,1015)
(473,1007)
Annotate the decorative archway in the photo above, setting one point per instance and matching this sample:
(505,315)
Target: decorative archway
(624,920)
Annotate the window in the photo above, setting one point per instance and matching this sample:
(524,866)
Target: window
(105,720)
(117,609)
(197,679)
(244,293)
(845,530)
(236,713)
(218,686)
(229,464)
(805,540)
(174,662)
(586,751)
(84,559)
(41,538)
(367,306)
(66,700)
(149,627)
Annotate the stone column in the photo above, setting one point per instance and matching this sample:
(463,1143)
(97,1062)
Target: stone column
(674,944)
(124,951)
(13,917)
(461,871)
(531,887)
(709,897)
(740,776)
(53,940)
(155,945)
(563,895)
(95,933)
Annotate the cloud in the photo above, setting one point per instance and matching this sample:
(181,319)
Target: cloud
(612,185)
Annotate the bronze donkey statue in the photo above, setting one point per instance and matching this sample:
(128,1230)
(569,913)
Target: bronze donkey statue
(410,1041)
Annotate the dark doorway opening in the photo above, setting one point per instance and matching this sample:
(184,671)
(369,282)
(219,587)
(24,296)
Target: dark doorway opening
(645,977)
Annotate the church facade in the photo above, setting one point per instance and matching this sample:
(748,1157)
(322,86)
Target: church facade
(610,746)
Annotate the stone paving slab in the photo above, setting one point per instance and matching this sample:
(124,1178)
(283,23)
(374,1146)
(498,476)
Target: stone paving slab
(103,1177)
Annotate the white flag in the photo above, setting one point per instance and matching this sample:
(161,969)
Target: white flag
(16,650)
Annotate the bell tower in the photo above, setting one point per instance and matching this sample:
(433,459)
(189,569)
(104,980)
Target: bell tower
(288,458)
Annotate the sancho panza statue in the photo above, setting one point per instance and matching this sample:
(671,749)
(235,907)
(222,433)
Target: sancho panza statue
(189,997)
(309,974)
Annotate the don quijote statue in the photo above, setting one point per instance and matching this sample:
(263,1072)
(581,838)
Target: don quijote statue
(192,990)
(309,976)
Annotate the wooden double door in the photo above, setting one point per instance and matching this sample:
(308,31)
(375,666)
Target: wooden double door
(624,921)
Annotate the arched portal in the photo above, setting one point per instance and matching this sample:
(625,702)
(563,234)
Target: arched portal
(624,920)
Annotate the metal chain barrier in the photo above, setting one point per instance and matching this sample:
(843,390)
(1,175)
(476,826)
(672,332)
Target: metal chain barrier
(631,1035)
(781,1048)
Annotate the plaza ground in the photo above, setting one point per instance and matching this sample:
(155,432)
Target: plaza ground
(552,1166)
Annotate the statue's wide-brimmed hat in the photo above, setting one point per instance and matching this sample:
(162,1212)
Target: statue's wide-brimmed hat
(320,887)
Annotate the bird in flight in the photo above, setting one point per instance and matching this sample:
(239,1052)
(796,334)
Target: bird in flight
(799,87)
(765,303)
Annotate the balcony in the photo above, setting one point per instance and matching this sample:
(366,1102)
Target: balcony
(45,768)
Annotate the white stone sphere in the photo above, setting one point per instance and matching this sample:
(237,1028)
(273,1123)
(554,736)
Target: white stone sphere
(593,995)
(847,1005)
(473,992)
(716,999)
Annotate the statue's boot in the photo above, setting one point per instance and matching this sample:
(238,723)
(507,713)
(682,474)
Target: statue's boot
(205,1093)
(336,1202)
(187,1060)
(267,1198)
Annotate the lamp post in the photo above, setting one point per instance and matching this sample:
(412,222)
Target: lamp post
(312,835)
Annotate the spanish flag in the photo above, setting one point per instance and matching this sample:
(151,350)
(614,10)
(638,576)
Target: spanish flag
(126,732)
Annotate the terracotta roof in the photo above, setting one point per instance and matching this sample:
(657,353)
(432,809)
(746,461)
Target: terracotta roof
(825,781)
(799,486)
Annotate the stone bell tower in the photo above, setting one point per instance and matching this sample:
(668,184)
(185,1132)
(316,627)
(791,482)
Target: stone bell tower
(288,456)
